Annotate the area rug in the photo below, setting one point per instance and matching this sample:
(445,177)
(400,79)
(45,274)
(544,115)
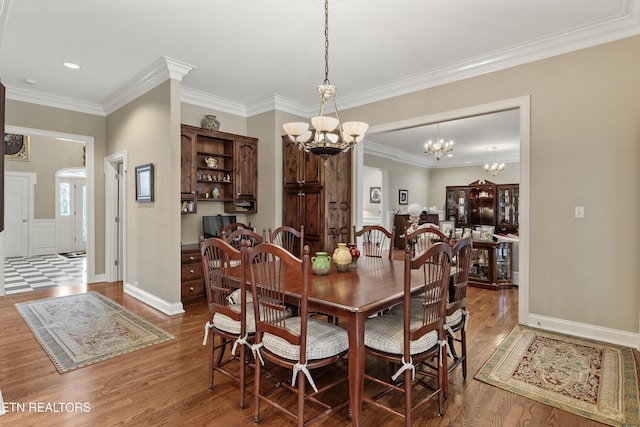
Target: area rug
(588,378)
(79,330)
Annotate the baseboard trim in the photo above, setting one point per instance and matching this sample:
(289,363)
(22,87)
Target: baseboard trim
(170,309)
(598,333)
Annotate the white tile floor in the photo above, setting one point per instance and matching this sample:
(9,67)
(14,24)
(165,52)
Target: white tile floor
(45,271)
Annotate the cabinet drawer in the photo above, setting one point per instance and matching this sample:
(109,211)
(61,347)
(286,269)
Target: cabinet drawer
(190,257)
(193,289)
(191,271)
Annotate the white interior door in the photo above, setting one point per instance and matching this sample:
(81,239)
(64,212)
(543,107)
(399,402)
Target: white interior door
(71,215)
(16,219)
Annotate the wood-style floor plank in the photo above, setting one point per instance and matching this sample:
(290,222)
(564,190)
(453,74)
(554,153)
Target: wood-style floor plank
(168,383)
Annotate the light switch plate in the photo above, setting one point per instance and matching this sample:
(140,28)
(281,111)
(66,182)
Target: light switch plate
(579,211)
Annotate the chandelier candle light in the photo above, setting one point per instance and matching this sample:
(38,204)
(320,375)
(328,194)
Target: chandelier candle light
(328,136)
(440,147)
(495,168)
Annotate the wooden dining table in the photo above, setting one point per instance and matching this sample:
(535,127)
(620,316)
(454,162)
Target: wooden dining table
(352,296)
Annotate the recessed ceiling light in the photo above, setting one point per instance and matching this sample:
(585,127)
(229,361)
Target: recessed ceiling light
(71,65)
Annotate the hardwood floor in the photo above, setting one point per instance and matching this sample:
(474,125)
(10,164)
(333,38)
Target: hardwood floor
(168,383)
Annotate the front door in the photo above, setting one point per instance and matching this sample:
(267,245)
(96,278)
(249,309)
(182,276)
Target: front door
(71,223)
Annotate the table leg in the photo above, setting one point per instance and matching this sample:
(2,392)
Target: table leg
(355,331)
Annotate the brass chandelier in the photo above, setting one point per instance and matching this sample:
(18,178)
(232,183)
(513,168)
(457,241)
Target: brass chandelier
(328,136)
(495,168)
(440,147)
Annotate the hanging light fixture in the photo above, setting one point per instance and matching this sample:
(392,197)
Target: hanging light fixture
(440,147)
(328,136)
(495,168)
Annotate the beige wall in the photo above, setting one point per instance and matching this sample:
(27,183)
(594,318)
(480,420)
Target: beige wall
(23,114)
(48,155)
(143,128)
(584,151)
(413,178)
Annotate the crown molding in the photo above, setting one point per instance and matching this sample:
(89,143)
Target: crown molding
(623,25)
(385,152)
(163,69)
(55,101)
(206,100)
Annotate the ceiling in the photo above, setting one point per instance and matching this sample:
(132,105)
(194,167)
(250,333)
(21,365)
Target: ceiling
(249,56)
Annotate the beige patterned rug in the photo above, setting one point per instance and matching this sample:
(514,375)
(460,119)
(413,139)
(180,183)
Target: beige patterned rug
(79,330)
(594,380)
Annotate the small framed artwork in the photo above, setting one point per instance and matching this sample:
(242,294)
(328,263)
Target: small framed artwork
(447,226)
(144,183)
(466,231)
(16,147)
(486,232)
(403,197)
(375,195)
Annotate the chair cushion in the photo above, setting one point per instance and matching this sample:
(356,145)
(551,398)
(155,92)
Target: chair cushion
(386,333)
(323,340)
(227,324)
(455,318)
(235,297)
(416,310)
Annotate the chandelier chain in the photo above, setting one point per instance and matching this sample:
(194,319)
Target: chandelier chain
(326,42)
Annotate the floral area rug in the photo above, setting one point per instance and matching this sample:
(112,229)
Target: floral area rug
(588,378)
(79,330)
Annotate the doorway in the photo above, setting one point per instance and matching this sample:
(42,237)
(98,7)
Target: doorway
(71,210)
(522,104)
(88,142)
(115,227)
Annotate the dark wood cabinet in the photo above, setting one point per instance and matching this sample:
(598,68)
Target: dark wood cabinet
(191,275)
(491,265)
(483,203)
(232,177)
(317,194)
(401,222)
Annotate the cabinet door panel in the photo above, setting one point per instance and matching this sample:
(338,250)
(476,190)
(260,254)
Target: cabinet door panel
(291,174)
(187,166)
(313,169)
(246,163)
(291,212)
(313,219)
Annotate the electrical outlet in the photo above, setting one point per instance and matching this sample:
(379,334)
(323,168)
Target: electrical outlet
(580,212)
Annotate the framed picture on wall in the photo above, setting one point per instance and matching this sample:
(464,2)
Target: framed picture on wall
(403,197)
(16,147)
(375,195)
(144,183)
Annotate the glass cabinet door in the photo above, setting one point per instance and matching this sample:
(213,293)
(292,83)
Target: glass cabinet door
(515,203)
(451,205)
(463,209)
(504,205)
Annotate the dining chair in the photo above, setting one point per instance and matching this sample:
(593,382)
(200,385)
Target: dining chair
(423,238)
(299,344)
(240,234)
(375,239)
(457,315)
(289,238)
(415,336)
(228,229)
(231,316)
